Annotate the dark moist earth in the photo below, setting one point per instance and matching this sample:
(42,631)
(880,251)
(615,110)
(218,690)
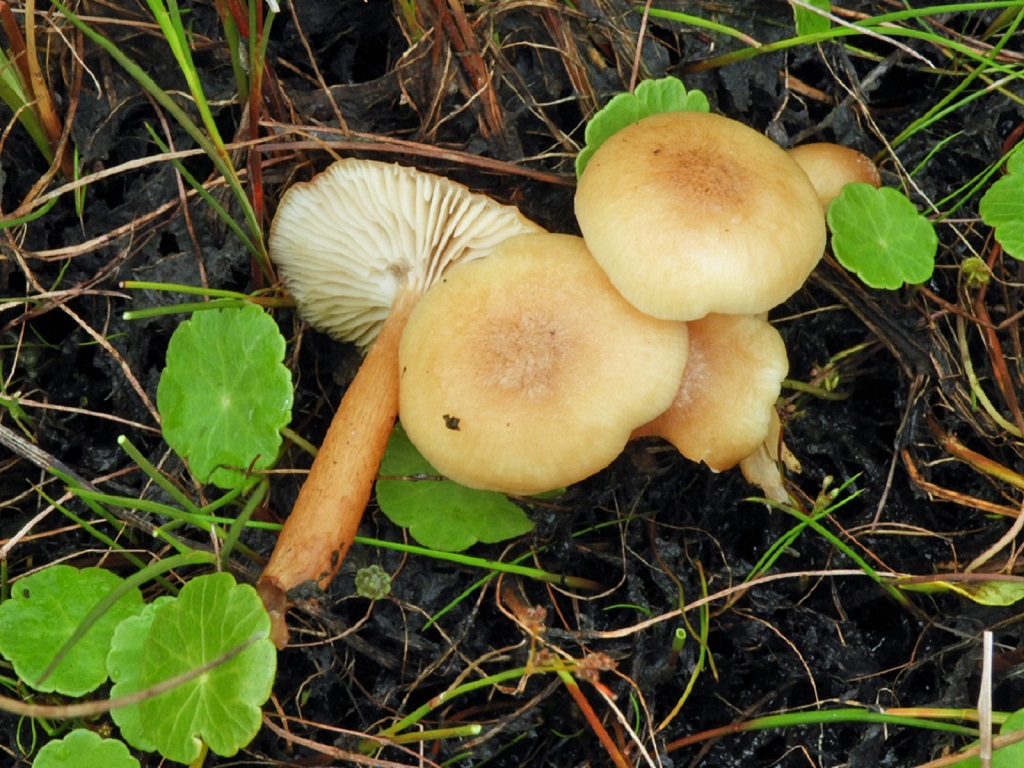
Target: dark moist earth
(654,530)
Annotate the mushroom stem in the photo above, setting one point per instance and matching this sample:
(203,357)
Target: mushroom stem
(323,523)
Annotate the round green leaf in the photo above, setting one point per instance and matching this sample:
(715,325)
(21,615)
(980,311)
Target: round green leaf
(1002,207)
(440,513)
(225,394)
(211,617)
(879,235)
(651,97)
(84,749)
(1011,756)
(42,614)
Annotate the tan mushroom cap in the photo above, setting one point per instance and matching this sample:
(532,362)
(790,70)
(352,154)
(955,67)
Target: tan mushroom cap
(691,213)
(350,240)
(722,412)
(527,371)
(830,167)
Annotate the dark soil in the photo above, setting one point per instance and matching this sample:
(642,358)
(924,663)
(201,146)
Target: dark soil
(657,531)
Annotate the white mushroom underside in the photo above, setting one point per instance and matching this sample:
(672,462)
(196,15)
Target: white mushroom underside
(348,241)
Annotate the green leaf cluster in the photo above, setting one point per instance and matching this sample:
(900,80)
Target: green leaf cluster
(440,513)
(212,622)
(651,97)
(225,394)
(373,582)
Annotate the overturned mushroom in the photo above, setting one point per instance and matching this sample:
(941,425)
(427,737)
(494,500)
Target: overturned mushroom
(357,246)
(691,213)
(527,370)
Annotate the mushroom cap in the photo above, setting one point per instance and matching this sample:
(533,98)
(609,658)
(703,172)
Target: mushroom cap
(830,167)
(527,371)
(723,409)
(348,241)
(691,213)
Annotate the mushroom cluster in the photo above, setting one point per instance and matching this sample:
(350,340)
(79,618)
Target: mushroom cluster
(531,368)
(712,223)
(687,218)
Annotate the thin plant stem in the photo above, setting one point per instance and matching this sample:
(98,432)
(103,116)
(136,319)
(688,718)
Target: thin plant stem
(561,579)
(820,717)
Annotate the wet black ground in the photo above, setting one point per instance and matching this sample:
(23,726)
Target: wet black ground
(649,526)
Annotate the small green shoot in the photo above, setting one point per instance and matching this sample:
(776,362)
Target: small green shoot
(42,614)
(975,272)
(220,710)
(652,97)
(84,749)
(1002,206)
(14,96)
(440,513)
(879,235)
(225,394)
(373,582)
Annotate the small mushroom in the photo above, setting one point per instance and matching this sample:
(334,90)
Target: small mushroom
(691,213)
(723,409)
(357,246)
(527,370)
(830,167)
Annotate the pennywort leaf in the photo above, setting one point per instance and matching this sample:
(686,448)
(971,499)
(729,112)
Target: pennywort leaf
(84,749)
(651,97)
(211,617)
(225,394)
(879,235)
(438,512)
(1002,206)
(42,614)
(1010,756)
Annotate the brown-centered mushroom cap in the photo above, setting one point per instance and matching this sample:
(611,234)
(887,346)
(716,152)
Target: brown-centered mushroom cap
(724,406)
(349,241)
(691,213)
(527,370)
(830,167)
